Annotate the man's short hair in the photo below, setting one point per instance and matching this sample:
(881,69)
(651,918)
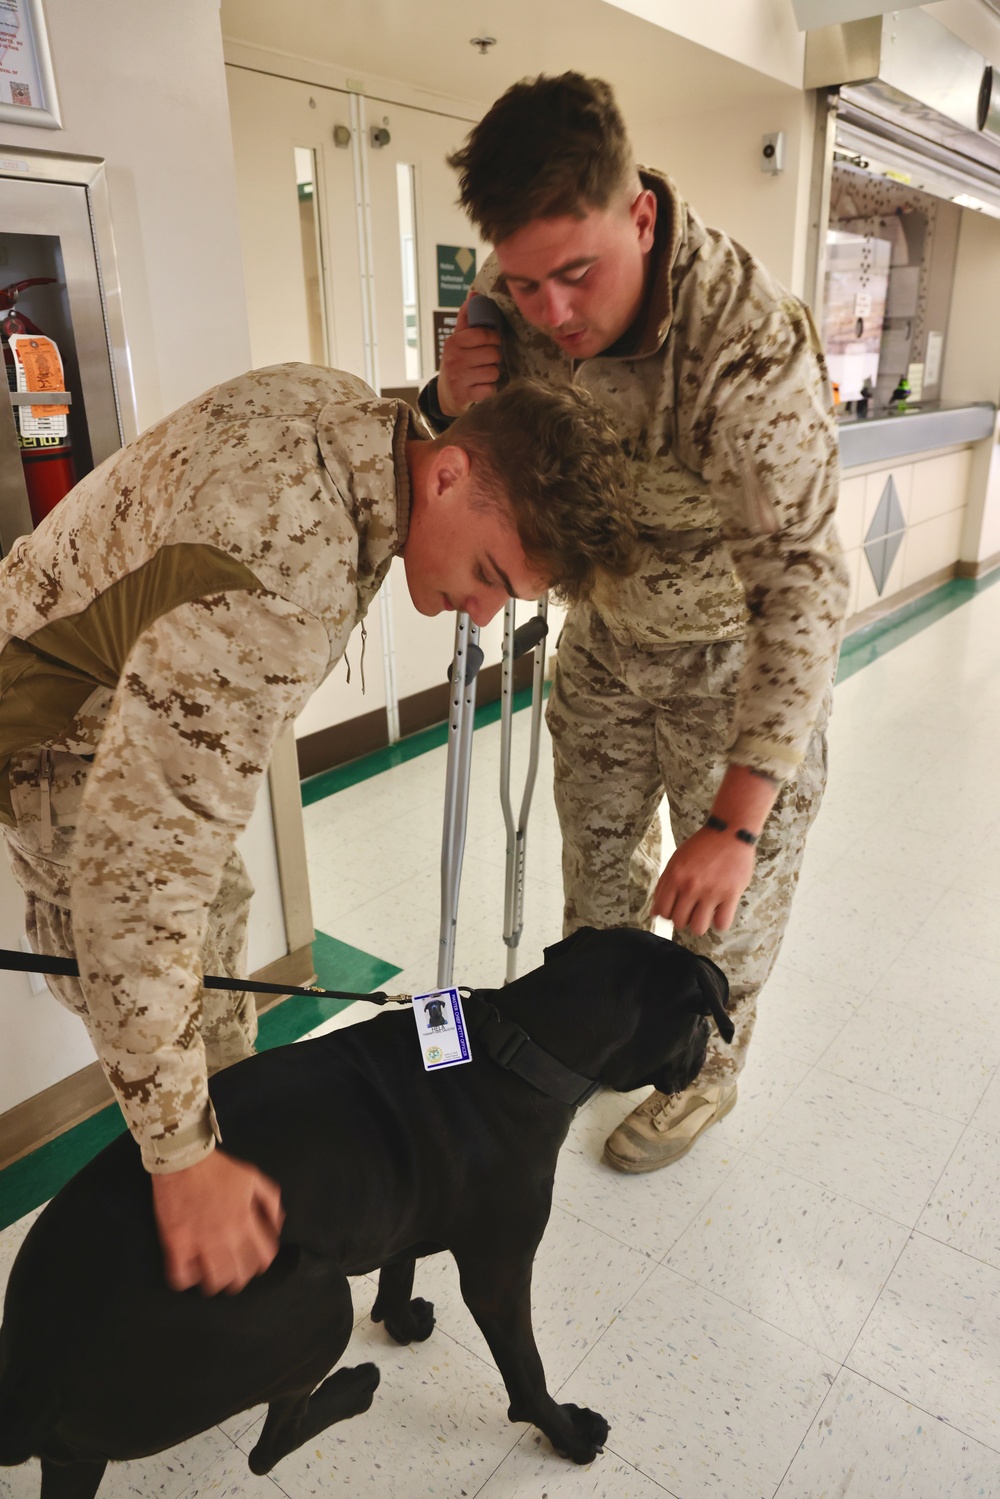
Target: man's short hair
(550,456)
(548,147)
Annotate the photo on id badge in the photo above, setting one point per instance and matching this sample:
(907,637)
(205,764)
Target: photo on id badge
(441,1028)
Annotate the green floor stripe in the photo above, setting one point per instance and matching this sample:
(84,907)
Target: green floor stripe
(33,1180)
(37,1177)
(315,788)
(337,967)
(874,641)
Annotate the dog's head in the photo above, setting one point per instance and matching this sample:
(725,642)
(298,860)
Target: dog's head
(645,1006)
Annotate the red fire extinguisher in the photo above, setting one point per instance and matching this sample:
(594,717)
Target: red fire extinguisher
(46,456)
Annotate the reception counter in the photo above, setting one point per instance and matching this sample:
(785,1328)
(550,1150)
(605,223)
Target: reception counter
(913,489)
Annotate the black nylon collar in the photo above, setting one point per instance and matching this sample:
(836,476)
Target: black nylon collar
(513,1048)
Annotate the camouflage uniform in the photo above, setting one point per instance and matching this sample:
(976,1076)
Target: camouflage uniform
(175,610)
(721,648)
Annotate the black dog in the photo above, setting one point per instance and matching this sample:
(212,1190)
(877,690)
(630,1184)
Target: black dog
(434,1008)
(100,1360)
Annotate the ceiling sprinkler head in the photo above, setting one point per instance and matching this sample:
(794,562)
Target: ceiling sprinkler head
(484,43)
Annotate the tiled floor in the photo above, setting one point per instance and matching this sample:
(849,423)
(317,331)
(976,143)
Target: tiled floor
(808,1305)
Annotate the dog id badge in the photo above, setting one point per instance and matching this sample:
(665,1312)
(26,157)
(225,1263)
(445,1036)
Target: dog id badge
(444,1041)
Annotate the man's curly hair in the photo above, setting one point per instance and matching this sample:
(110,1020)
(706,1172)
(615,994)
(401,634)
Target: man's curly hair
(547,147)
(551,456)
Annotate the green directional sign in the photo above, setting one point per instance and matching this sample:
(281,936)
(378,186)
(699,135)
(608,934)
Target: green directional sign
(456,273)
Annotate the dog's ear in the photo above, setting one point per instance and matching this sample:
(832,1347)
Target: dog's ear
(714,989)
(558,948)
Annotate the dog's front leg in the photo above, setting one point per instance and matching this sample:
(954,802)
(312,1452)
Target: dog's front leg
(406,1320)
(72,1480)
(497,1292)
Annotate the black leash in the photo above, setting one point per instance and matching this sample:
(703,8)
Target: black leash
(504,1041)
(30,962)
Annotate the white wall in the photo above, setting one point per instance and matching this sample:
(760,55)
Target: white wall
(972,369)
(143,86)
(972,357)
(761,34)
(714,156)
(981,538)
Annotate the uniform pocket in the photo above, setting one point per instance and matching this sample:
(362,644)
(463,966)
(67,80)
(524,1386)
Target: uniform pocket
(23,780)
(45,798)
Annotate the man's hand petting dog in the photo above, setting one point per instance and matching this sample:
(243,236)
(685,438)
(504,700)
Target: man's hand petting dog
(218,1222)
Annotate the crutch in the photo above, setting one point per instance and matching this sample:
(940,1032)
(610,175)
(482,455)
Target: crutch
(465,667)
(516,643)
(462,675)
(461,720)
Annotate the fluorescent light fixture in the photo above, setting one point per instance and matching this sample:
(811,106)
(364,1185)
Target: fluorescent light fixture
(966,200)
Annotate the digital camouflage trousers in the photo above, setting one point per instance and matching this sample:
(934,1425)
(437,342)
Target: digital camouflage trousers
(630,727)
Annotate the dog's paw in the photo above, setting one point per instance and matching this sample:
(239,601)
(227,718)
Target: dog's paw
(365,1383)
(412,1323)
(585,1434)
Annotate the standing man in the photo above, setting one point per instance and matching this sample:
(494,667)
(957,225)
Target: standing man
(159,629)
(706,674)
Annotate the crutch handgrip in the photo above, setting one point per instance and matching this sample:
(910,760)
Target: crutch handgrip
(474,658)
(527,636)
(482,312)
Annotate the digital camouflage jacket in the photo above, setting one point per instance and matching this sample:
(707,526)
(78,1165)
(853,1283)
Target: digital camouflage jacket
(724,407)
(170,616)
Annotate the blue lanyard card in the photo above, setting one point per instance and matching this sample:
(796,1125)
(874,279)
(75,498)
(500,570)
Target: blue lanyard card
(444,1041)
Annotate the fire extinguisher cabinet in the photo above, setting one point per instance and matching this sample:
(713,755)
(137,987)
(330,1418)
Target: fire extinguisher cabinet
(57,248)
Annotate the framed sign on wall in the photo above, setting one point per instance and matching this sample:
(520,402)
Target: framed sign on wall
(27,83)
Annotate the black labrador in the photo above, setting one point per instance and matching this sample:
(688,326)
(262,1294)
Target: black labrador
(379,1163)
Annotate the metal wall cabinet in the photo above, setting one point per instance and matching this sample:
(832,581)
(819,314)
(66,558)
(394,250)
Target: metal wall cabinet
(55,221)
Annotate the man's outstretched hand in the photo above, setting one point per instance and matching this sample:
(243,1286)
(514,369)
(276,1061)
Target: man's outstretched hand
(701,886)
(218,1223)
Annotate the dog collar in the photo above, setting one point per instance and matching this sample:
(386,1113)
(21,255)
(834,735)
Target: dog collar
(513,1048)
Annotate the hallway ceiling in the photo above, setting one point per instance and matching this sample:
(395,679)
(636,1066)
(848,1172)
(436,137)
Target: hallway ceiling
(428,46)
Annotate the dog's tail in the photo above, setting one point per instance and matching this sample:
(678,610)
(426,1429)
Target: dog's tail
(714,988)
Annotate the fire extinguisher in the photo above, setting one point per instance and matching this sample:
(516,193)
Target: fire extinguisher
(46,454)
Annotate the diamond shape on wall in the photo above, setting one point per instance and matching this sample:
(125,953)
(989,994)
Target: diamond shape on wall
(885,535)
(881,555)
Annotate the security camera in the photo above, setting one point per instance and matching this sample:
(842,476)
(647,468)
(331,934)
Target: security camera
(772,152)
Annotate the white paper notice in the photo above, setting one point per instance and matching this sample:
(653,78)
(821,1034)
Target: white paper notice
(932,359)
(20,81)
